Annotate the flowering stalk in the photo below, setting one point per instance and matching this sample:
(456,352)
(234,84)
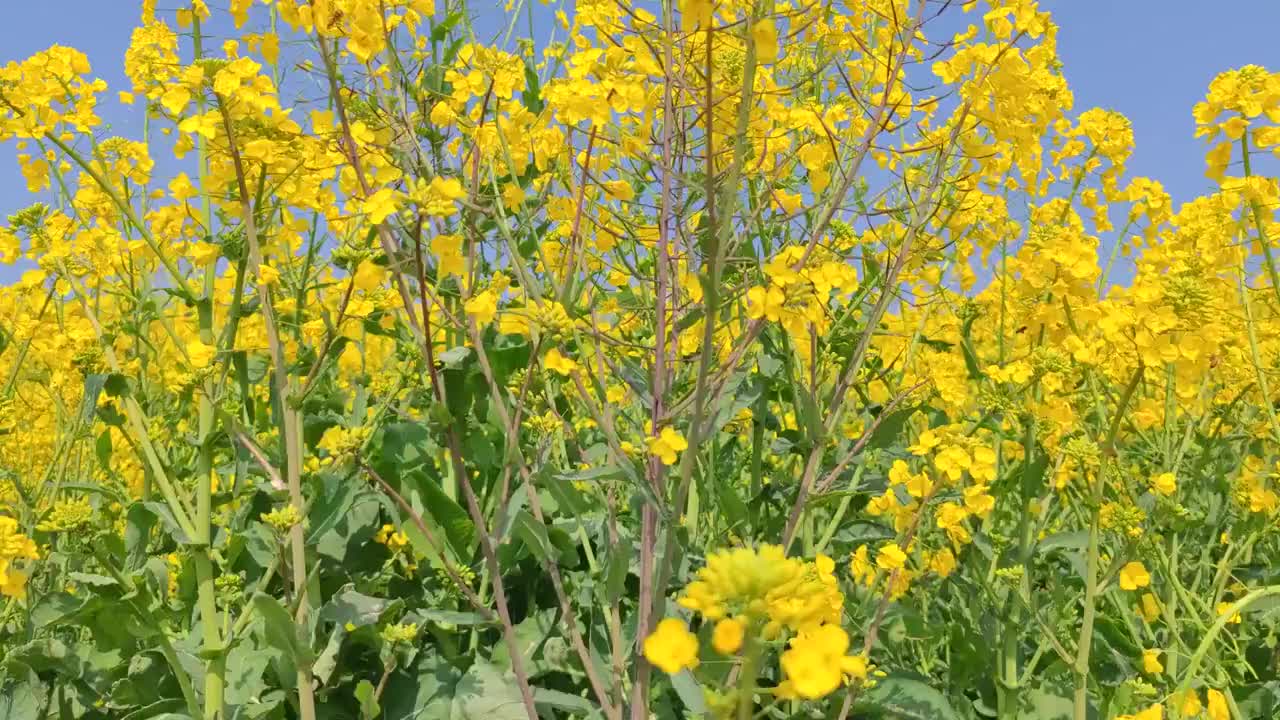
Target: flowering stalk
(1080,702)
(289,414)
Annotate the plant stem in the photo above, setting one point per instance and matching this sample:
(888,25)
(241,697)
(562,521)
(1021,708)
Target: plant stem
(289,415)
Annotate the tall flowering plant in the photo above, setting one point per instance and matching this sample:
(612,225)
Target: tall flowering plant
(714,358)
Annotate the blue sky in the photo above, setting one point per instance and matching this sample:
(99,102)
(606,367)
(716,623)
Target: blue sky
(1149,59)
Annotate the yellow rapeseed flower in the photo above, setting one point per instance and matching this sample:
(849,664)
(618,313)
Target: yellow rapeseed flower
(559,363)
(1151,662)
(816,664)
(727,636)
(668,445)
(671,648)
(891,557)
(1133,576)
(1216,705)
(1164,483)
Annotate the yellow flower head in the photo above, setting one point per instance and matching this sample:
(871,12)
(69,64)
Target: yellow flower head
(1164,483)
(671,648)
(891,557)
(668,445)
(727,636)
(763,584)
(559,363)
(1216,705)
(1133,576)
(1151,662)
(816,663)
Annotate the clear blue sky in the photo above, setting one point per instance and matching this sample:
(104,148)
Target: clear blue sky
(1149,59)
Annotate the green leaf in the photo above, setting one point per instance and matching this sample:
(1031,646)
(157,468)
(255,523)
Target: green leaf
(448,514)
(404,447)
(486,693)
(116,385)
(102,449)
(279,630)
(422,691)
(556,700)
(1258,700)
(92,579)
(449,617)
(532,95)
(480,451)
(1043,705)
(531,635)
(139,521)
(368,705)
(571,500)
(601,472)
(1073,540)
(733,508)
(1033,474)
(508,354)
(906,698)
(93,385)
(246,665)
(330,507)
(349,606)
(890,428)
(690,319)
(22,700)
(441,31)
(457,367)
(690,692)
(619,566)
(542,541)
(971,361)
(161,511)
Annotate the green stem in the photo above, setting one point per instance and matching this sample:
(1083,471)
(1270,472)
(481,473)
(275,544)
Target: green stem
(1239,606)
(747,676)
(1259,223)
(206,591)
(1080,704)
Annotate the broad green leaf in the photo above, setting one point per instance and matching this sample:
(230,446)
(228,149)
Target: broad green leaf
(22,700)
(368,705)
(907,698)
(459,531)
(1072,540)
(1033,474)
(544,542)
(1042,704)
(246,666)
(487,693)
(890,428)
(618,566)
(161,511)
(139,520)
(92,579)
(554,700)
(349,606)
(690,692)
(330,506)
(448,617)
(279,630)
(102,449)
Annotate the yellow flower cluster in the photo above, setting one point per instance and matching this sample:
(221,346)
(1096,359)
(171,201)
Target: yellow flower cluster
(66,515)
(955,304)
(14,546)
(759,594)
